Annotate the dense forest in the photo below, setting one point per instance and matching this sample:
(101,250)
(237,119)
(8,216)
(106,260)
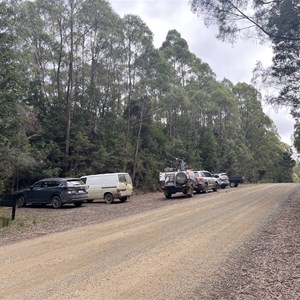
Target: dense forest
(85,91)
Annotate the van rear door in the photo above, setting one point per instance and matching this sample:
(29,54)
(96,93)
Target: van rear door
(125,185)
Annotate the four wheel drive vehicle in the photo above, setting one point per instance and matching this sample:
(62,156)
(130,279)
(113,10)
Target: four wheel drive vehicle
(55,191)
(108,186)
(205,182)
(222,179)
(175,182)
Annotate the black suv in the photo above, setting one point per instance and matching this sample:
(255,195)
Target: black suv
(55,191)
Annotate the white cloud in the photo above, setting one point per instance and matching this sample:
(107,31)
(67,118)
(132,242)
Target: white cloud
(234,62)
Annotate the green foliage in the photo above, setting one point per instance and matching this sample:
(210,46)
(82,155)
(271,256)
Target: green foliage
(97,97)
(279,22)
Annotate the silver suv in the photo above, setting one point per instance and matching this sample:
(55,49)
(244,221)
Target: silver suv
(223,180)
(205,181)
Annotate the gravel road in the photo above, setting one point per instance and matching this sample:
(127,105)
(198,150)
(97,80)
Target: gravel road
(240,243)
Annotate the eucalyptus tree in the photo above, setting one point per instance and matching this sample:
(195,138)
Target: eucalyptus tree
(69,50)
(15,119)
(261,136)
(178,106)
(138,39)
(175,49)
(284,23)
(42,27)
(275,21)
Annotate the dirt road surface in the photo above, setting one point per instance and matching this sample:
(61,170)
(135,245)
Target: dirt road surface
(163,253)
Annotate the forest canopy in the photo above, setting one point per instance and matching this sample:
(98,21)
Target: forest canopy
(84,91)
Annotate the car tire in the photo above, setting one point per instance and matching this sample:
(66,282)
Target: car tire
(190,194)
(109,198)
(168,195)
(205,189)
(78,203)
(90,200)
(56,202)
(181,178)
(215,189)
(20,201)
(123,199)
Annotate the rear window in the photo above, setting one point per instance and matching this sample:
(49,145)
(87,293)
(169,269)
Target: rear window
(73,182)
(125,178)
(169,177)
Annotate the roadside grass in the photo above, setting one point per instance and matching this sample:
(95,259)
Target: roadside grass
(7,224)
(4,221)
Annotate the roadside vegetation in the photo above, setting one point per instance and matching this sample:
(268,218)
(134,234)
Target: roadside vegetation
(84,91)
(20,222)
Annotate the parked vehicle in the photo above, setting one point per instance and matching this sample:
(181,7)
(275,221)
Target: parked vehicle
(205,181)
(55,191)
(177,182)
(222,179)
(236,180)
(108,187)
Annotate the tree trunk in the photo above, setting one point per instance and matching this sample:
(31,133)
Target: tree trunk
(70,82)
(137,146)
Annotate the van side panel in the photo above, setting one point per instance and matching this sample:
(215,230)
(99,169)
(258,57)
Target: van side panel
(94,183)
(117,184)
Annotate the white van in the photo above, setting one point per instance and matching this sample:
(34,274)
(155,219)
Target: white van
(108,186)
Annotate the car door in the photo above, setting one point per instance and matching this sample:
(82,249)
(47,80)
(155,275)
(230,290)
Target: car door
(210,179)
(38,193)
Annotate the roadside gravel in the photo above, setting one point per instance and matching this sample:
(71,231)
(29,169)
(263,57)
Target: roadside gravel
(267,266)
(34,221)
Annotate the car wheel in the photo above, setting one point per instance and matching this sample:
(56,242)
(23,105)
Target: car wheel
(56,202)
(123,199)
(168,195)
(20,201)
(190,195)
(90,200)
(109,198)
(215,189)
(223,187)
(205,189)
(78,203)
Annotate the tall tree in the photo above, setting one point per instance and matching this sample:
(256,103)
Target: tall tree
(279,22)
(138,39)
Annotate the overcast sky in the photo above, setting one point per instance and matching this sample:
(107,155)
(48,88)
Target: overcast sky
(234,62)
